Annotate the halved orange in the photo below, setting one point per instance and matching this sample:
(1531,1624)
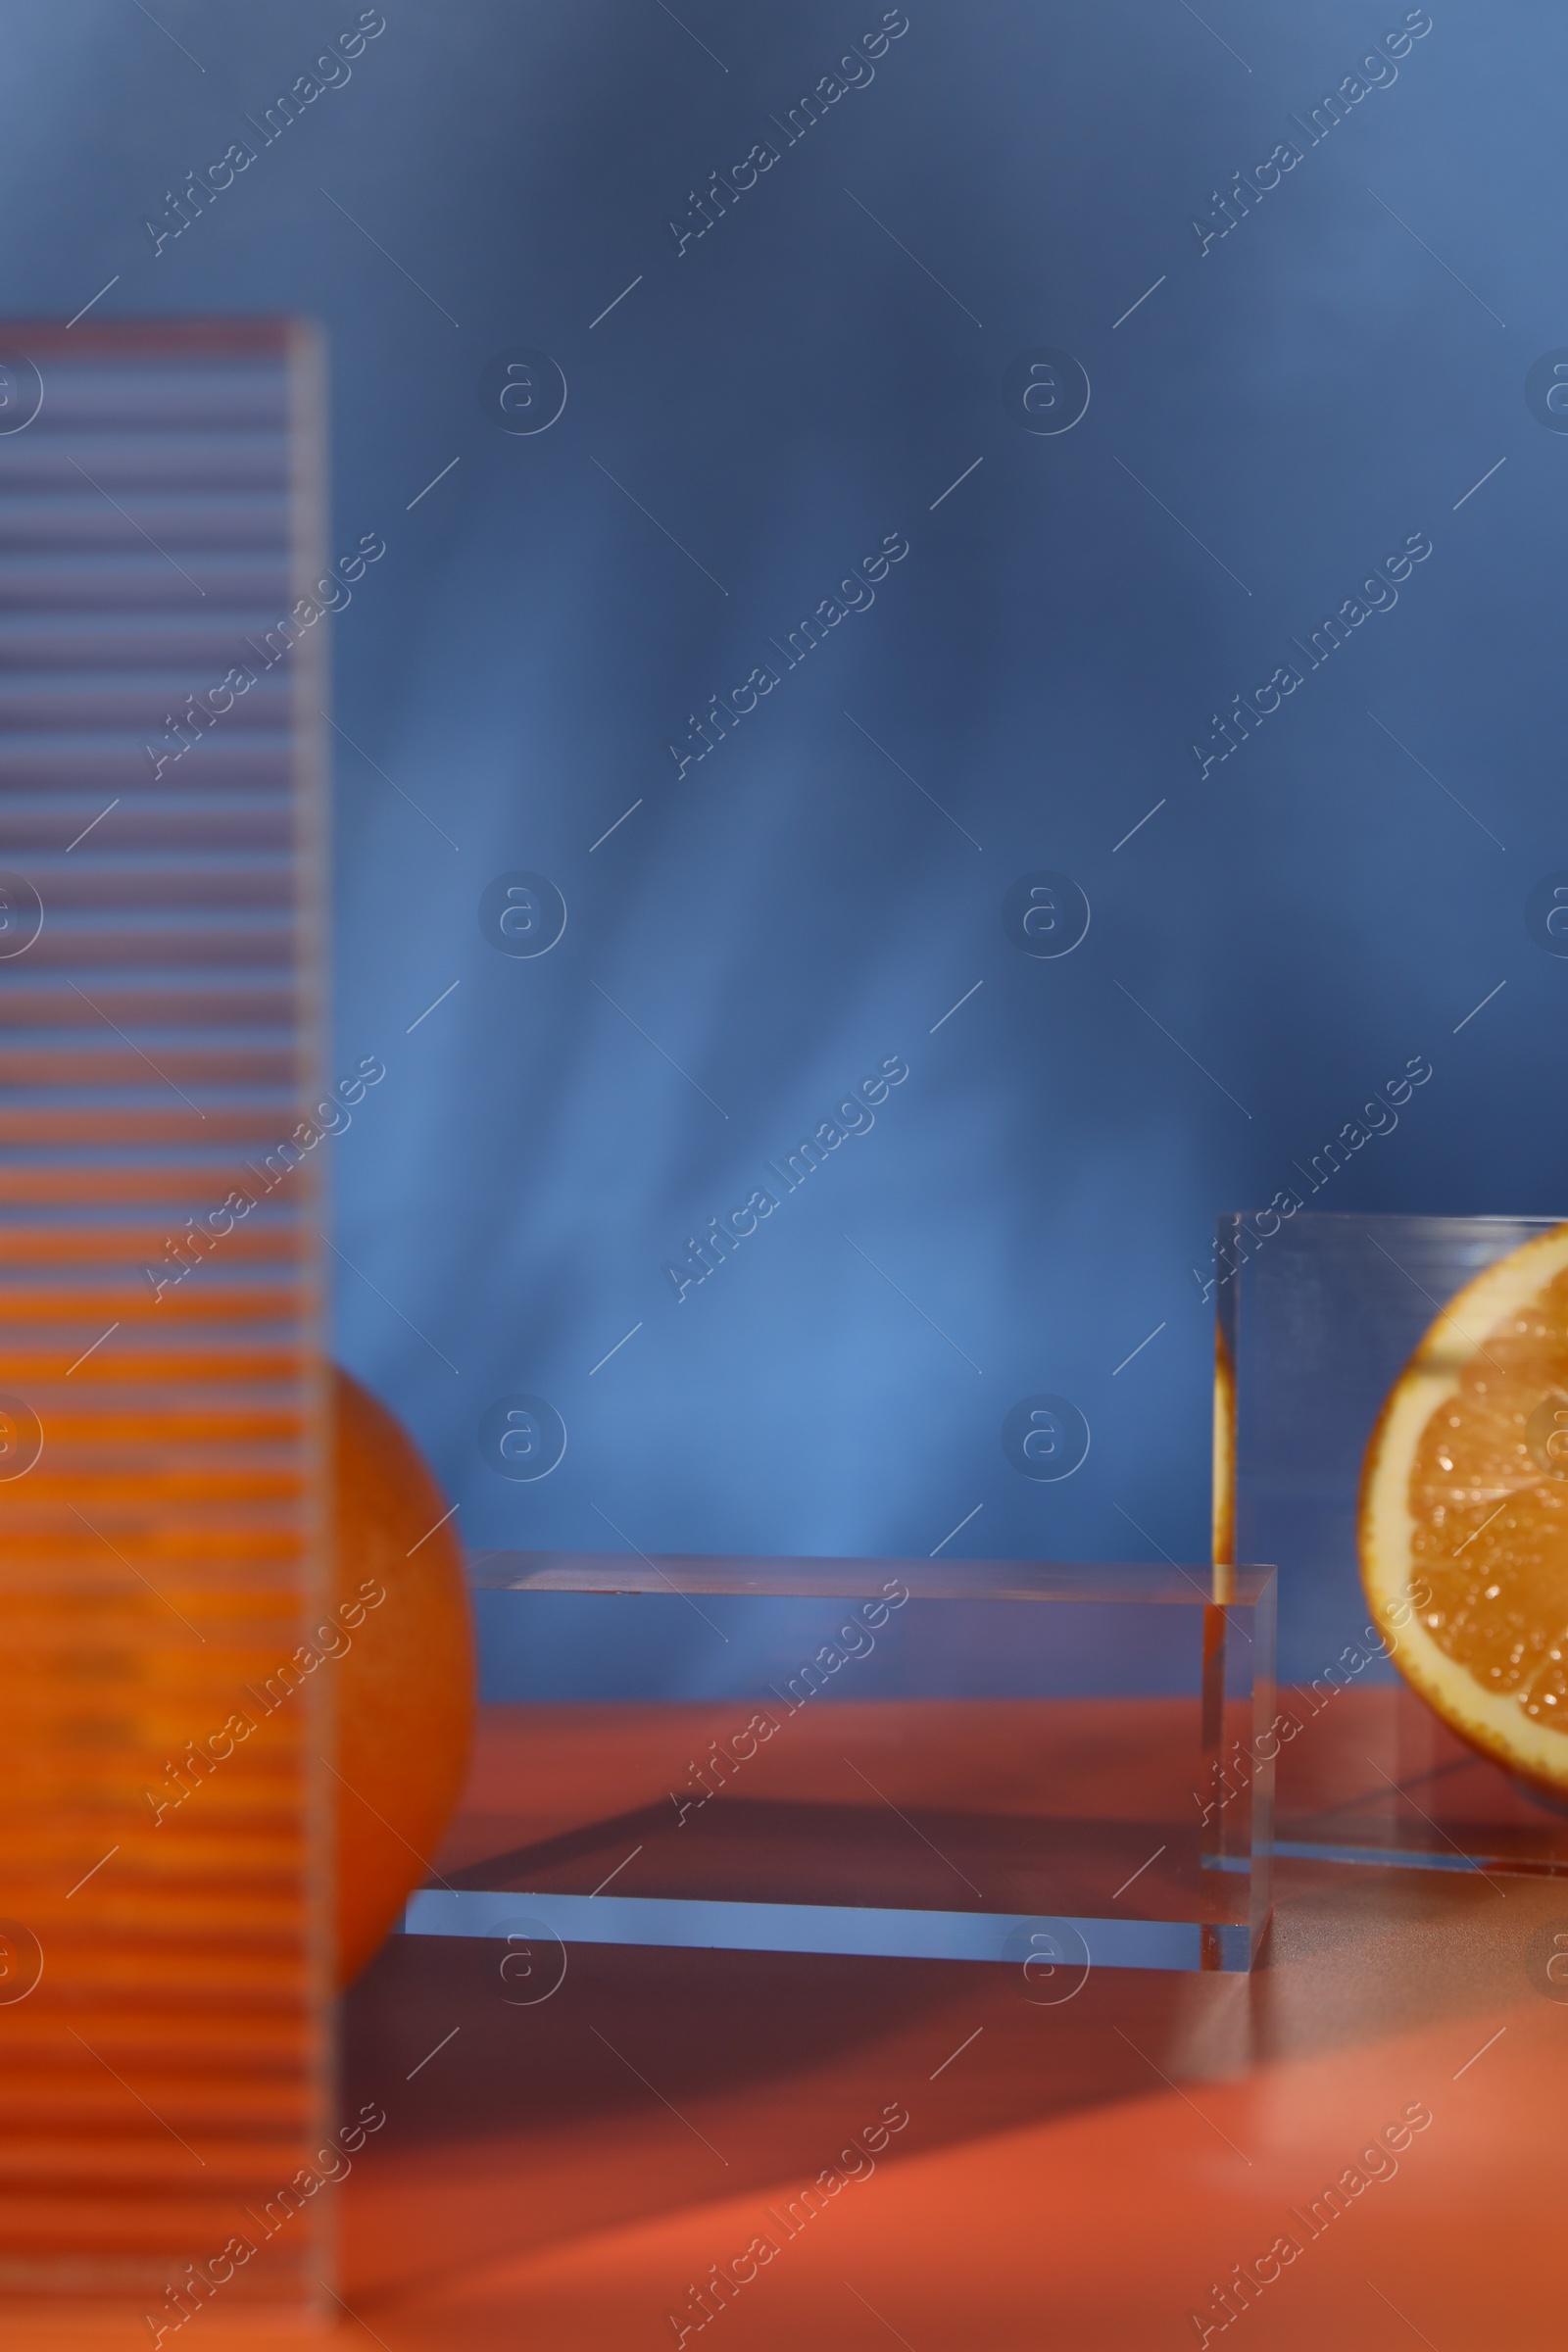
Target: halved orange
(1464,1513)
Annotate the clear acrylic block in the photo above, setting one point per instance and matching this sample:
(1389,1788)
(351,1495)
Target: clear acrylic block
(1058,1767)
(1317,1317)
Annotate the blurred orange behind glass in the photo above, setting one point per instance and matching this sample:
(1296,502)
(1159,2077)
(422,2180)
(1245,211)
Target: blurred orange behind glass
(405,1717)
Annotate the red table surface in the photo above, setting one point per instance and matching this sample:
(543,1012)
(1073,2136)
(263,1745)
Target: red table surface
(560,2177)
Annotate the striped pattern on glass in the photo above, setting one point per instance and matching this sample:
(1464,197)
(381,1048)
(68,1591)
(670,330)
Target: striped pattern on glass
(163,2081)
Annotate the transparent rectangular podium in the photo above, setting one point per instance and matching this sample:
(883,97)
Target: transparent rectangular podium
(1059,1768)
(1317,1317)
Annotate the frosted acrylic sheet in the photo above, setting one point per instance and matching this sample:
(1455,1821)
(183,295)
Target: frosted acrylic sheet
(164,1958)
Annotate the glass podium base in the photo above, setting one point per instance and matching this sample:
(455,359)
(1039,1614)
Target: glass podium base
(1041,1946)
(1317,1317)
(986,1761)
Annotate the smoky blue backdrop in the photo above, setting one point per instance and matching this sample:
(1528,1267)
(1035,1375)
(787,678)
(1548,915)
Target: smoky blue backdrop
(838,365)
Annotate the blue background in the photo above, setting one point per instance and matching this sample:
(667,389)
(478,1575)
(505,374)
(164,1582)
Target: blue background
(1269,947)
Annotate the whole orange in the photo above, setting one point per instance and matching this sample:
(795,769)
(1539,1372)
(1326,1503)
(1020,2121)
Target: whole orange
(405,1686)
